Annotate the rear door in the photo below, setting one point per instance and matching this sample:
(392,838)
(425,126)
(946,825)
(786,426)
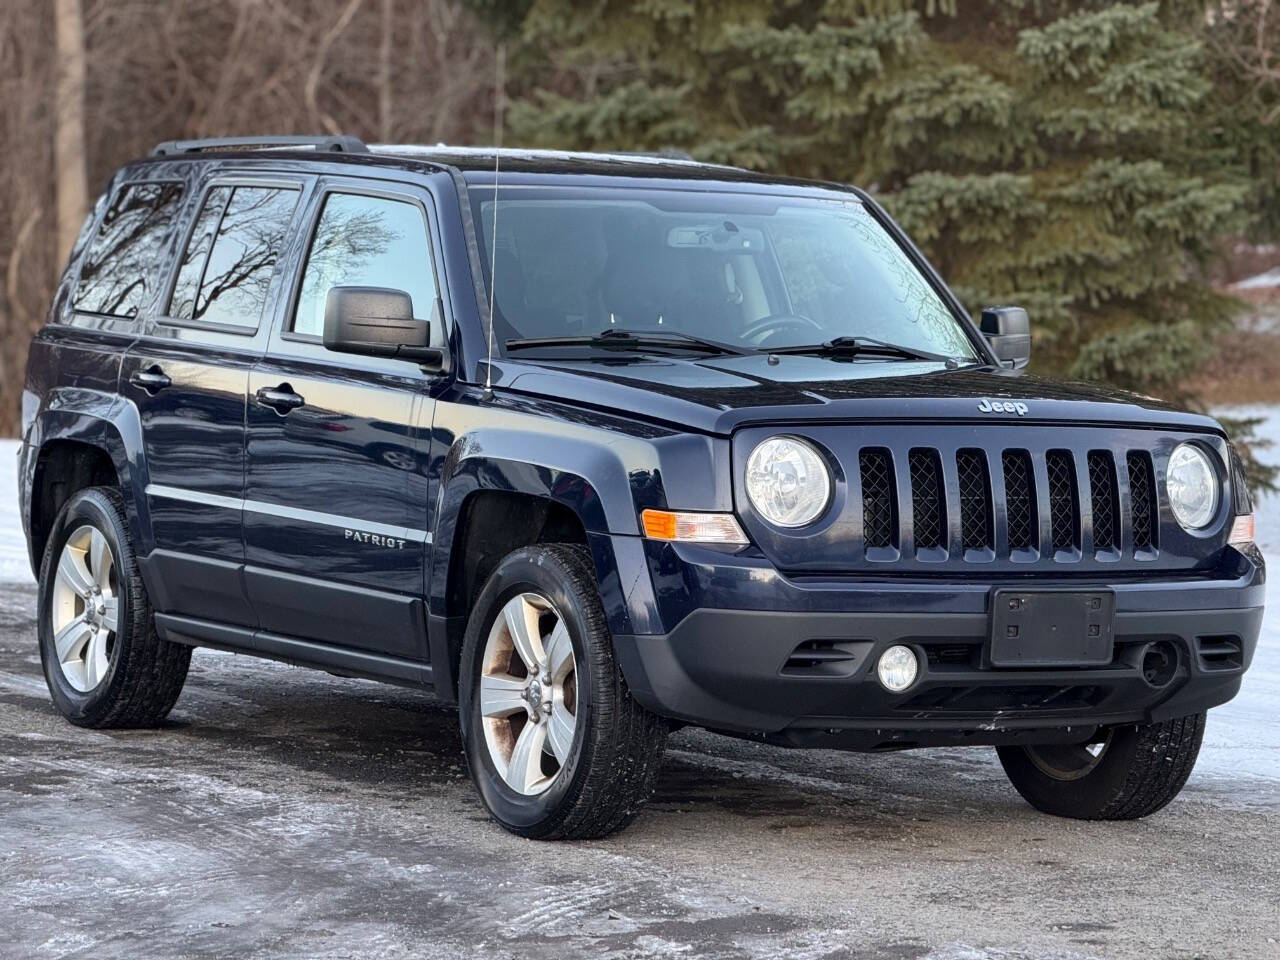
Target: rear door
(336,512)
(188,376)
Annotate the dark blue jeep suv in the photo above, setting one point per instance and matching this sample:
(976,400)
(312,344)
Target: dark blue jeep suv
(598,445)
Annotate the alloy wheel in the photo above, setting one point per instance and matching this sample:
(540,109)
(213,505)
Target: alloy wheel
(85,608)
(529,693)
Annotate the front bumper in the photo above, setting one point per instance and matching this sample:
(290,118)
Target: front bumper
(792,660)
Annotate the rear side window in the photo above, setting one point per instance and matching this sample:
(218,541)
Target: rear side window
(369,242)
(231,256)
(119,272)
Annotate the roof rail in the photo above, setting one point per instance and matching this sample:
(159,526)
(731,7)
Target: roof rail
(329,144)
(666,153)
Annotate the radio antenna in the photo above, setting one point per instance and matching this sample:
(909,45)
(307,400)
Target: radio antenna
(499,98)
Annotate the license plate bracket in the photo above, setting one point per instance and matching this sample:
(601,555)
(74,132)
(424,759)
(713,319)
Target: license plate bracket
(1052,628)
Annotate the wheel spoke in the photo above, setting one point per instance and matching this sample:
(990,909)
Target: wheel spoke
(95,661)
(560,652)
(100,560)
(560,727)
(525,767)
(112,606)
(522,623)
(501,695)
(72,572)
(70,640)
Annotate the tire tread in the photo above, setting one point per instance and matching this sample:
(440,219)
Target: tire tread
(624,753)
(1166,755)
(1130,783)
(612,795)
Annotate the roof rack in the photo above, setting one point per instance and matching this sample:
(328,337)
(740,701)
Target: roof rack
(666,153)
(329,144)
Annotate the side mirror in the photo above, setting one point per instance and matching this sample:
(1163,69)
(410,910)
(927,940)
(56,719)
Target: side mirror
(1008,333)
(378,322)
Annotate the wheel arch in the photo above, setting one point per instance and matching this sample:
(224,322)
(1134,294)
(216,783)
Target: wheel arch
(493,523)
(490,505)
(70,447)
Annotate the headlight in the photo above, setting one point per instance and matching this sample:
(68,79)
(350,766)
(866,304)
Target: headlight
(1193,486)
(787,481)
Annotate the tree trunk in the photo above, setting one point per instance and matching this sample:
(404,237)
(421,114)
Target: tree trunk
(386,76)
(71,179)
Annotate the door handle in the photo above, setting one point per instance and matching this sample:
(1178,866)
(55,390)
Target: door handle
(152,380)
(281,399)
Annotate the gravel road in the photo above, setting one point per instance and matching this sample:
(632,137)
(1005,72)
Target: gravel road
(286,813)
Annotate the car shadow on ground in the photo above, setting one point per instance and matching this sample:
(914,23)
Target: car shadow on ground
(393,739)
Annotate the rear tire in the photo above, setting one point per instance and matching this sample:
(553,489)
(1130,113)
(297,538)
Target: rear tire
(1137,772)
(560,751)
(103,661)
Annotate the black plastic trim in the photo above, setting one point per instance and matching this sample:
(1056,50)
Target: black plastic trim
(722,669)
(293,650)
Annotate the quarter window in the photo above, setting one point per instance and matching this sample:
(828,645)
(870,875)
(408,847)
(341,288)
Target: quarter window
(119,270)
(183,302)
(366,241)
(231,256)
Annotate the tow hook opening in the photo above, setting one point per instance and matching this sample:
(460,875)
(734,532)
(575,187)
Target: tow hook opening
(1159,663)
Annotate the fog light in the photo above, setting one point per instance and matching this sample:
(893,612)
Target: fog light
(897,668)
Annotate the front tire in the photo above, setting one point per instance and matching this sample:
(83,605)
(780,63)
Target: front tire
(555,743)
(1131,772)
(103,661)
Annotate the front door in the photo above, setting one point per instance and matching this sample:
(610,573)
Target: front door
(336,515)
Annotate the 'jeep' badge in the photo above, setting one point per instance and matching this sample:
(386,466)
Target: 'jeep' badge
(1002,406)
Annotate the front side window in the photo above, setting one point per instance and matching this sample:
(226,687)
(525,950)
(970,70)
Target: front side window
(369,242)
(230,258)
(120,268)
(754,271)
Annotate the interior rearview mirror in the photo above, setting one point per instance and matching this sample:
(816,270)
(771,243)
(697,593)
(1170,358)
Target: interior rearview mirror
(378,322)
(1008,333)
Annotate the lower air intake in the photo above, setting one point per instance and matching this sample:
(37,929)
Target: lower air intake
(1219,653)
(826,658)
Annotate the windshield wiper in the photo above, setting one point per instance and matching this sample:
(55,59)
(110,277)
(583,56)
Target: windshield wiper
(863,347)
(615,339)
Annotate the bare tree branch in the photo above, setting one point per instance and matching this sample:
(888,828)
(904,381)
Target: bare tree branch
(318,62)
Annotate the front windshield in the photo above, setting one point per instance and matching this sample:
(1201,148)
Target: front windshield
(750,271)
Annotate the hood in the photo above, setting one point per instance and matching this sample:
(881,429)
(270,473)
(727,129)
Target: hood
(719,394)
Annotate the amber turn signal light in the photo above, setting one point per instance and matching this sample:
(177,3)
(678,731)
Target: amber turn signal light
(691,527)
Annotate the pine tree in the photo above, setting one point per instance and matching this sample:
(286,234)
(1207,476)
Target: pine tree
(1069,157)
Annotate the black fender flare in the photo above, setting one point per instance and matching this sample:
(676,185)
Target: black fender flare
(97,419)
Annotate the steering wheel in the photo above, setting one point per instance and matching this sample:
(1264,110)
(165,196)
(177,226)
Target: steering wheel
(777,321)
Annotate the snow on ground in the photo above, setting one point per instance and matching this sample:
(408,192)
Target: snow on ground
(1243,737)
(1261,281)
(14,567)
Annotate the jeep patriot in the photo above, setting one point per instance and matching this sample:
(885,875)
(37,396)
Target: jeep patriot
(594,446)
